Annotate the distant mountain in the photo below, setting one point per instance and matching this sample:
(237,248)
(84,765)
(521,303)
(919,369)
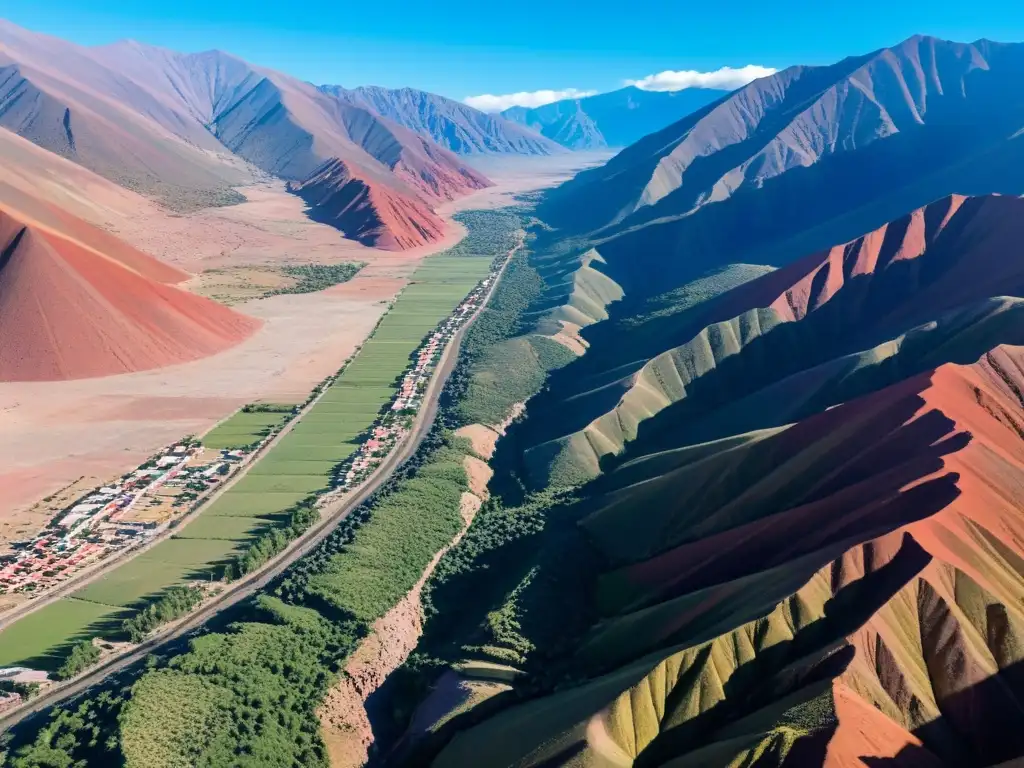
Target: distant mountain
(61,97)
(790,165)
(615,119)
(450,123)
(184,126)
(824,152)
(288,127)
(367,212)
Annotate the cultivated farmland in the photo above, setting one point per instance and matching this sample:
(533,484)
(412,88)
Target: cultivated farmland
(244,429)
(299,465)
(41,638)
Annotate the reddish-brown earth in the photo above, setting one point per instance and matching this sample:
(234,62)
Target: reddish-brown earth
(188,127)
(864,737)
(925,289)
(943,255)
(69,310)
(367,212)
(864,564)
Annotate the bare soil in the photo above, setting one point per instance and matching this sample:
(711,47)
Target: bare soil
(345,726)
(58,432)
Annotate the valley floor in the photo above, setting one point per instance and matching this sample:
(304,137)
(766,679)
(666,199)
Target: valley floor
(87,431)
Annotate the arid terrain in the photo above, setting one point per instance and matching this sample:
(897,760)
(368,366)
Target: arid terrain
(58,431)
(353,426)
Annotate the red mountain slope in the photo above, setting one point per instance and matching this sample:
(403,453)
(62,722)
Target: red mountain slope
(914,273)
(367,212)
(842,590)
(71,311)
(179,125)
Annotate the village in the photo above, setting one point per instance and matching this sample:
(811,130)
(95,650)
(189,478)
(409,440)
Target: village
(127,513)
(124,515)
(397,421)
(115,518)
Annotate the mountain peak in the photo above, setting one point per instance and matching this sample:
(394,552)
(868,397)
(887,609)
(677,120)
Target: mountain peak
(615,119)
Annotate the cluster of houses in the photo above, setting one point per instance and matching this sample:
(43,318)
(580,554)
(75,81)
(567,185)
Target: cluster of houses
(101,523)
(395,424)
(189,482)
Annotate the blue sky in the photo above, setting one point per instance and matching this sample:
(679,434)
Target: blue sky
(501,46)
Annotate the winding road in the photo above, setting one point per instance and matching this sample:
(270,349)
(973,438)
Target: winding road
(246,587)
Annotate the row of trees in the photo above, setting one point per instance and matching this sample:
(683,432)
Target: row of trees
(81,656)
(310,278)
(252,689)
(173,604)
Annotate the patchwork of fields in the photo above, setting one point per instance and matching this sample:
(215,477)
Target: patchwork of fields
(298,465)
(243,429)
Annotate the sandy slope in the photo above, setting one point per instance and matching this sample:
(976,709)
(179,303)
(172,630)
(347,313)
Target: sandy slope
(56,432)
(69,311)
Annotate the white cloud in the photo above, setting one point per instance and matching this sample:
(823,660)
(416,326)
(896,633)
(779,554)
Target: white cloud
(726,78)
(488,102)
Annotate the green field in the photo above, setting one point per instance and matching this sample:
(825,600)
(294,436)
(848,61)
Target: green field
(251,504)
(139,578)
(299,464)
(168,563)
(40,637)
(243,429)
(226,527)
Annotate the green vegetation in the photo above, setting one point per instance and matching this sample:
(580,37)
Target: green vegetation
(252,687)
(269,408)
(143,578)
(227,527)
(310,278)
(259,551)
(247,505)
(184,200)
(84,735)
(499,367)
(490,598)
(679,300)
(408,526)
(174,603)
(246,428)
(82,656)
(43,638)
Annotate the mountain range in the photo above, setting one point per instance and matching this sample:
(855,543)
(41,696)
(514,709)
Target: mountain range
(855,143)
(773,508)
(615,119)
(452,124)
(760,500)
(188,127)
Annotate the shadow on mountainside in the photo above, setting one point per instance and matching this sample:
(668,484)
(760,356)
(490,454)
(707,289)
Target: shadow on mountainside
(996,701)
